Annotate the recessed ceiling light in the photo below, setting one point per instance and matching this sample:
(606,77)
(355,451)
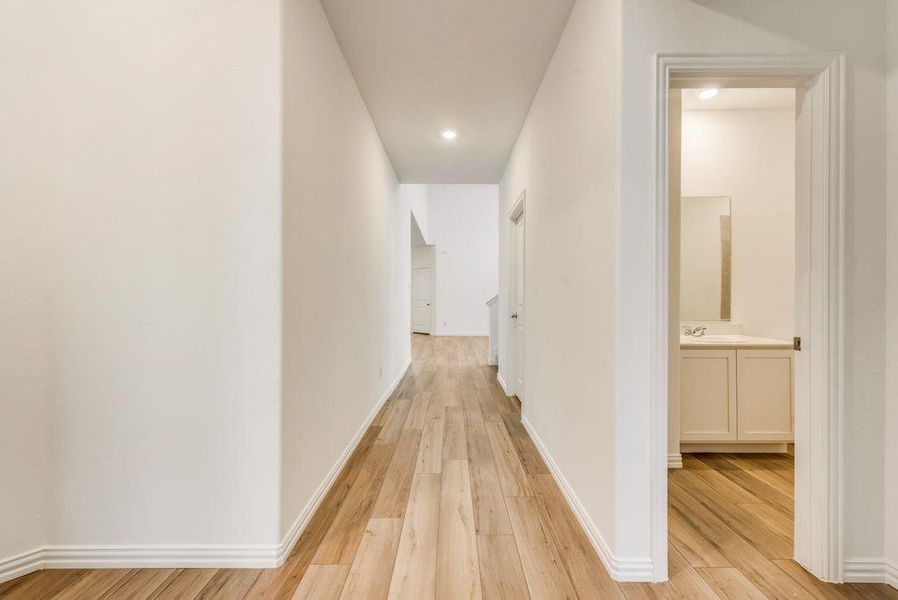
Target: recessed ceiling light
(449,134)
(708,93)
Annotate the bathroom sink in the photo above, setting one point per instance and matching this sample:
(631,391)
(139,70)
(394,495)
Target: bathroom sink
(714,339)
(732,340)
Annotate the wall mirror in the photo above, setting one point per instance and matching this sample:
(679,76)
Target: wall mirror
(705,258)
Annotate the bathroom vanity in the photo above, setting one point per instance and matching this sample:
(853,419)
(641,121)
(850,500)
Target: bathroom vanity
(736,394)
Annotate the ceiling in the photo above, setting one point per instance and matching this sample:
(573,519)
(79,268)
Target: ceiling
(741,99)
(428,65)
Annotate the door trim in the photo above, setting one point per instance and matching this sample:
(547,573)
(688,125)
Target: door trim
(819,495)
(514,215)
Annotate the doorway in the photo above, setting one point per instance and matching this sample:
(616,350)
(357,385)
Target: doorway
(818,84)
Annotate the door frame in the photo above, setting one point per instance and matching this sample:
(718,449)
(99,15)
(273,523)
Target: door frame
(515,213)
(818,427)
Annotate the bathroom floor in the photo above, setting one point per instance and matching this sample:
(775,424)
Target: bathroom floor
(730,523)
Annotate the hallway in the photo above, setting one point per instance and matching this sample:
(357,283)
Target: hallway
(447,497)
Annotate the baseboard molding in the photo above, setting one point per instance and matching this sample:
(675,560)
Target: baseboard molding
(148,556)
(735,447)
(870,570)
(202,556)
(21,564)
(451,334)
(502,383)
(674,460)
(620,569)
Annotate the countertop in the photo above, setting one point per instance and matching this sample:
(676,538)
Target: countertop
(732,342)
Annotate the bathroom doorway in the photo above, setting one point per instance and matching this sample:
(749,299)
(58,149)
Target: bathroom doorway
(749,284)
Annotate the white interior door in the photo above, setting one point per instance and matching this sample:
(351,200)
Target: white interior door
(422,300)
(810,244)
(517,307)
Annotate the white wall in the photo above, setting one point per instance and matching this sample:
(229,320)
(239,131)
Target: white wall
(763,27)
(144,217)
(567,160)
(414,195)
(891,399)
(462,222)
(26,298)
(341,201)
(140,305)
(749,156)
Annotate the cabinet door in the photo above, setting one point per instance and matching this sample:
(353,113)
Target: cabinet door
(707,395)
(765,395)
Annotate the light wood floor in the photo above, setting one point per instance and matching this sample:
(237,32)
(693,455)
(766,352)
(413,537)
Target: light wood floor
(447,497)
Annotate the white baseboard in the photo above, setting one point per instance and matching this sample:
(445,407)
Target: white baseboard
(460,334)
(502,384)
(870,570)
(674,460)
(201,556)
(628,569)
(21,564)
(140,556)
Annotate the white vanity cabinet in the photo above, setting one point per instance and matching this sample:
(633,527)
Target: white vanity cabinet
(736,395)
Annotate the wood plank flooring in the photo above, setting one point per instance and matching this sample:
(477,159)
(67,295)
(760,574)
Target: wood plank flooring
(447,497)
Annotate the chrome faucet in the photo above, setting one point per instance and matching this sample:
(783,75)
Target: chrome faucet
(694,331)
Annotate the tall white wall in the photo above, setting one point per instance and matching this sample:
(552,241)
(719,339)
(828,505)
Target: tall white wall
(736,27)
(891,387)
(157,218)
(567,160)
(140,304)
(462,221)
(26,294)
(749,156)
(342,203)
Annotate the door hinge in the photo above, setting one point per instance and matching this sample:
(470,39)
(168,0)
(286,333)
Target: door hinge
(796,344)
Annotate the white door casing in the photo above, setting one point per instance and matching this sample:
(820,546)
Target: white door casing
(514,318)
(517,307)
(820,81)
(422,300)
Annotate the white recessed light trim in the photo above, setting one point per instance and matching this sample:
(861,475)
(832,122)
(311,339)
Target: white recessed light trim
(708,93)
(449,134)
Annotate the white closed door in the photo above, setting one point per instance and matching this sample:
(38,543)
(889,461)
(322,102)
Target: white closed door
(422,300)
(517,307)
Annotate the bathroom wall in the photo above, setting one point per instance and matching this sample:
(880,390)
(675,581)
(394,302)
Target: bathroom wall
(749,155)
